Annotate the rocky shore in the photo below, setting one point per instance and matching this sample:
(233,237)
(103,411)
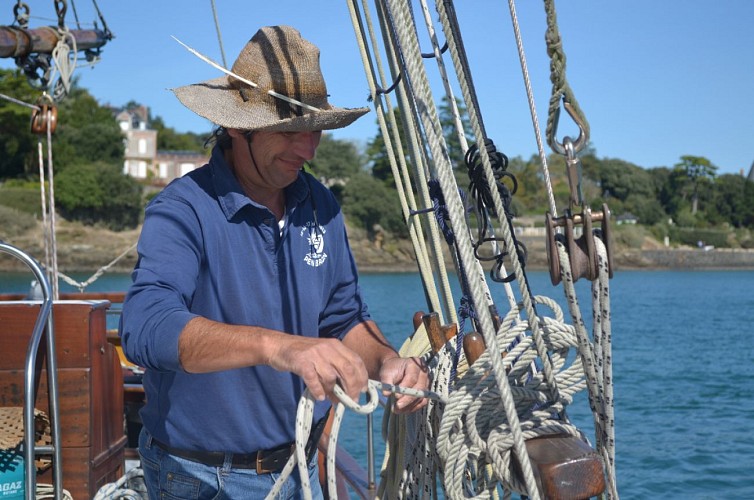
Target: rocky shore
(86,249)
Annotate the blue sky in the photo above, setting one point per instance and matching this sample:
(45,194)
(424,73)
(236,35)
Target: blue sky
(656,79)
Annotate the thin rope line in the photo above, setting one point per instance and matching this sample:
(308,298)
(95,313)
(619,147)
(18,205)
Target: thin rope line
(219,34)
(532,108)
(20,103)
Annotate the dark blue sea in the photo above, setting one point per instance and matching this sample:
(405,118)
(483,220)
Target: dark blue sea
(683,364)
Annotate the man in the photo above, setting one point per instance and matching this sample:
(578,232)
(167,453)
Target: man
(245,292)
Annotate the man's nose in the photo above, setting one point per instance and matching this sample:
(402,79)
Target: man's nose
(305,144)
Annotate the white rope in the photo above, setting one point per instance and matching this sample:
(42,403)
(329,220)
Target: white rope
(596,356)
(81,285)
(130,486)
(19,102)
(532,108)
(473,424)
(525,402)
(64,56)
(397,160)
(52,271)
(46,491)
(304,416)
(428,116)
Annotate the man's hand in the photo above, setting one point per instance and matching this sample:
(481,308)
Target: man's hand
(406,372)
(322,363)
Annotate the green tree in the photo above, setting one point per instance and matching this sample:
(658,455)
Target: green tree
(170,140)
(699,171)
(368,201)
(732,200)
(99,192)
(377,155)
(87,132)
(17,143)
(336,159)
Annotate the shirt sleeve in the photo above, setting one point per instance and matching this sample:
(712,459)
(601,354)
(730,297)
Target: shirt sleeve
(157,306)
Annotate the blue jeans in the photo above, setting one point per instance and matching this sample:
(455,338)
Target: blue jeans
(171,477)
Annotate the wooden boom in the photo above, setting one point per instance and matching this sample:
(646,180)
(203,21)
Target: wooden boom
(19,42)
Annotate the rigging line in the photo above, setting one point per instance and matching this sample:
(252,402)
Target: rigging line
(397,160)
(108,34)
(19,102)
(53,271)
(75,14)
(219,34)
(428,116)
(444,76)
(418,154)
(467,89)
(81,285)
(532,108)
(470,97)
(43,196)
(455,32)
(525,289)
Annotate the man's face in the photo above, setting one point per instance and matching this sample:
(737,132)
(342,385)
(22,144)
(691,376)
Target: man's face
(276,157)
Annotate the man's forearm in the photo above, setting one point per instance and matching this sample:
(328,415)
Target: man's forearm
(207,346)
(370,344)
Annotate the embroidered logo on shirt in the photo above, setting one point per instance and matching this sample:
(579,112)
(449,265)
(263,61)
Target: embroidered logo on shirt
(315,237)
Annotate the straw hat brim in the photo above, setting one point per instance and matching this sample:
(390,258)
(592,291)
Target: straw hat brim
(222,104)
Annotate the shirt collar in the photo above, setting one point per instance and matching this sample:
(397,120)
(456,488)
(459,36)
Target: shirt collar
(231,196)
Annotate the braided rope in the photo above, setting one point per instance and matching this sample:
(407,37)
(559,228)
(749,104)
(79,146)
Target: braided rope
(397,159)
(533,340)
(596,356)
(560,87)
(130,486)
(81,285)
(472,425)
(304,416)
(428,117)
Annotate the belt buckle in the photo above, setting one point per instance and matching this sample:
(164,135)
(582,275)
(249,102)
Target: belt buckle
(273,462)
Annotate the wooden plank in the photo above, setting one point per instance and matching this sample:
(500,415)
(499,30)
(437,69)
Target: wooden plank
(90,387)
(73,324)
(74,400)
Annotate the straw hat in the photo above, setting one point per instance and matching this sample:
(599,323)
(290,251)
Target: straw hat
(276,59)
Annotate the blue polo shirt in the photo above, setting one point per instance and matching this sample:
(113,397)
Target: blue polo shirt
(206,249)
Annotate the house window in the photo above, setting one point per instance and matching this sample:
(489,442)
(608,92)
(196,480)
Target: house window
(142,146)
(186,168)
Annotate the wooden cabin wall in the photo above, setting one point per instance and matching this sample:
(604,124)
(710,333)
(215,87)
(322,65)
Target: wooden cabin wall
(90,387)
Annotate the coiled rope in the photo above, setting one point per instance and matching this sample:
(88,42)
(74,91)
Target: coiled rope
(529,341)
(304,415)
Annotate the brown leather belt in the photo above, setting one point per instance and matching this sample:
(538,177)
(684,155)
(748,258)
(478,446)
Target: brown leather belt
(264,461)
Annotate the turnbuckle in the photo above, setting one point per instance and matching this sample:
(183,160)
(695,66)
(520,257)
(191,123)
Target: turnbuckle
(582,253)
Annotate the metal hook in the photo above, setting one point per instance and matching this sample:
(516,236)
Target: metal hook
(61,7)
(573,172)
(580,142)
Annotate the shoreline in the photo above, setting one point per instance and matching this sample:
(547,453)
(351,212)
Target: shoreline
(83,249)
